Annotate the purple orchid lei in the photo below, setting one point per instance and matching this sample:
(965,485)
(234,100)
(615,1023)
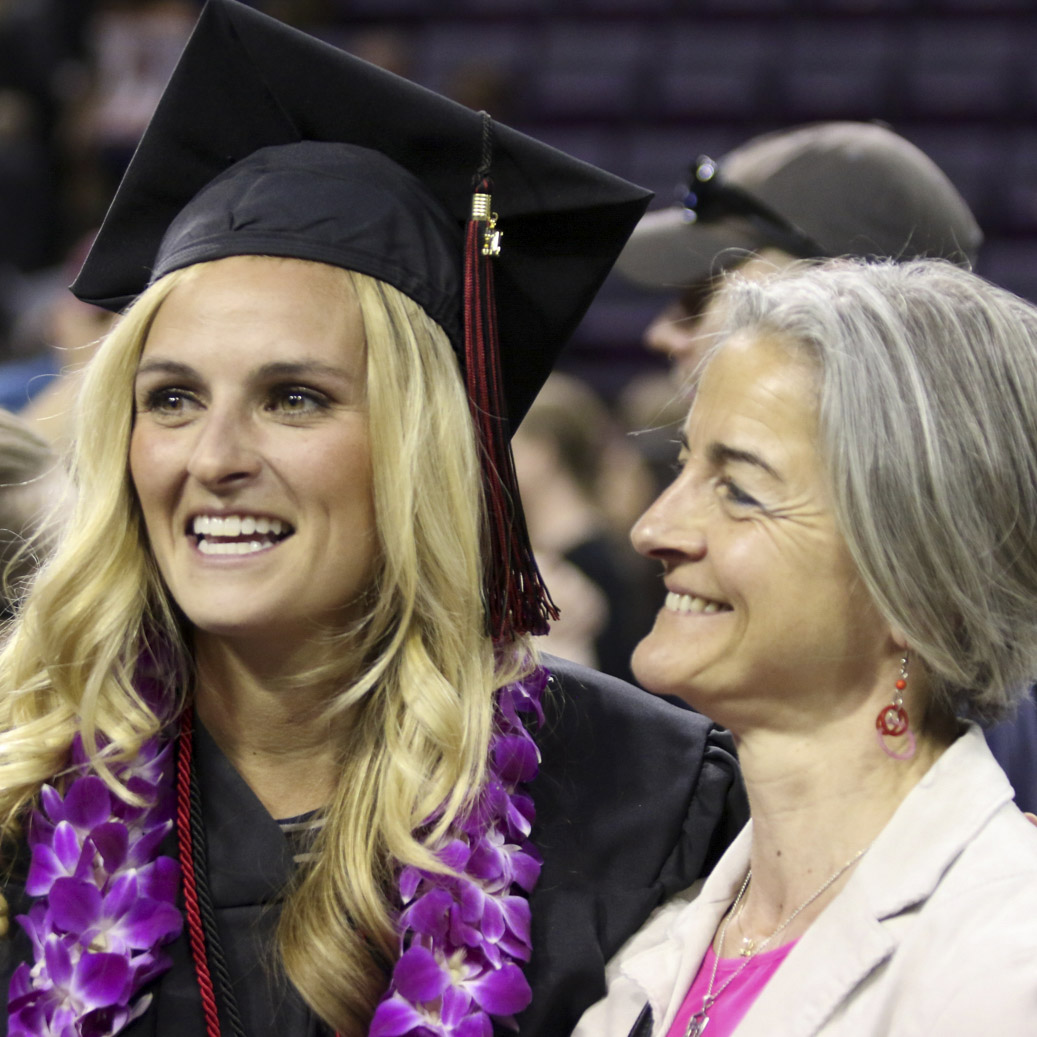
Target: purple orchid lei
(105,901)
(462,935)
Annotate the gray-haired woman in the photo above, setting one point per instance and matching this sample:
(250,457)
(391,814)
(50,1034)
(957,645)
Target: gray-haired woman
(850,551)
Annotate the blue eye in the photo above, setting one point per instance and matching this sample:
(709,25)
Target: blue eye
(736,495)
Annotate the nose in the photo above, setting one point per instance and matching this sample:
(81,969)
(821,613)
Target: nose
(663,334)
(673,528)
(676,333)
(223,455)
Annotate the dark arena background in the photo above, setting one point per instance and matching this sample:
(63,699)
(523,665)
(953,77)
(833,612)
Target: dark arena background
(640,87)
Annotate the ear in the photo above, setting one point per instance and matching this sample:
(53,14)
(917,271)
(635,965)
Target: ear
(898,639)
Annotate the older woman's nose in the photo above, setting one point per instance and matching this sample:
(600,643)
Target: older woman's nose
(672,526)
(223,453)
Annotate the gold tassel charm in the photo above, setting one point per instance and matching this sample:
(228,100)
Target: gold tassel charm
(482,212)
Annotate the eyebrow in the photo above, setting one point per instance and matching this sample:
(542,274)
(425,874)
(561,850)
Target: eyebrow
(171,367)
(274,369)
(720,454)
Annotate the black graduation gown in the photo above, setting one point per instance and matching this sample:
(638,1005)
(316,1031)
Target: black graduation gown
(635,799)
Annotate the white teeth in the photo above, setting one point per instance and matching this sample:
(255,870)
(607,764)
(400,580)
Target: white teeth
(691,603)
(209,547)
(236,525)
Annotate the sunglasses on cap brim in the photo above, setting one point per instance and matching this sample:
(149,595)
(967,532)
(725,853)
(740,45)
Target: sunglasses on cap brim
(710,198)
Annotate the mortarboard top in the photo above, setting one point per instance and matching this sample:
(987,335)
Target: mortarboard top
(390,199)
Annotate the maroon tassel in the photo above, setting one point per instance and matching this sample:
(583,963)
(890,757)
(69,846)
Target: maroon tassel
(517,599)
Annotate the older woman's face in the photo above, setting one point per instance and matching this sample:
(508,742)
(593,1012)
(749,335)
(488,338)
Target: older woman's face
(765,608)
(250,451)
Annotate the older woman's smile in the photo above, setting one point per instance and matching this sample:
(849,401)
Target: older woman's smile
(693,603)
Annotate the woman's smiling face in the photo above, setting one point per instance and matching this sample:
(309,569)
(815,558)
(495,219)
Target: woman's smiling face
(250,453)
(765,605)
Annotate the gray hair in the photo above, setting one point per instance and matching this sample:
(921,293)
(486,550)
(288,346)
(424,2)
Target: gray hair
(927,379)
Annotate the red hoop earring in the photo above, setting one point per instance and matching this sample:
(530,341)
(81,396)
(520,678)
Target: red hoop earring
(893,722)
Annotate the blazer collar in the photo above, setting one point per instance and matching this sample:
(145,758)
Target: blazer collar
(860,929)
(665,970)
(857,931)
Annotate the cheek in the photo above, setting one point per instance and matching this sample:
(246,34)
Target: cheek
(748,562)
(142,468)
(153,464)
(345,472)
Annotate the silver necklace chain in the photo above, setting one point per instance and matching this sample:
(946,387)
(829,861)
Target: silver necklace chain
(697,1023)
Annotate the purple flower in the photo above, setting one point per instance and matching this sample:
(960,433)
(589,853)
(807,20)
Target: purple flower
(515,757)
(423,976)
(87,981)
(64,857)
(106,901)
(500,863)
(42,1018)
(462,933)
(396,1016)
(119,920)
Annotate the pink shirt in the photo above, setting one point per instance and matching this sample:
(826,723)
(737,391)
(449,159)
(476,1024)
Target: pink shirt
(728,1009)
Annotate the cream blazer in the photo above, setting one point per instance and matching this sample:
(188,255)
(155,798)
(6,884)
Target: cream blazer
(934,935)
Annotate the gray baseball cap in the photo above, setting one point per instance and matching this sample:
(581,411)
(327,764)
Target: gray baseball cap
(826,189)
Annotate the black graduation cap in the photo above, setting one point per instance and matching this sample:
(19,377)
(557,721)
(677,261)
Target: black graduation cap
(268,141)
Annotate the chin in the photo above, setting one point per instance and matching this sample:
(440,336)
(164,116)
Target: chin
(655,672)
(664,668)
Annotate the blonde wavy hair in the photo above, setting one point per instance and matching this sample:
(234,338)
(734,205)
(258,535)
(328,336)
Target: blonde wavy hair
(421,710)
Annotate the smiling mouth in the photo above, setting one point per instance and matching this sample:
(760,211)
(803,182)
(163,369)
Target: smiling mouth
(684,603)
(237,534)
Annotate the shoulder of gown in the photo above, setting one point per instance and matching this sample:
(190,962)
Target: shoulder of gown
(635,799)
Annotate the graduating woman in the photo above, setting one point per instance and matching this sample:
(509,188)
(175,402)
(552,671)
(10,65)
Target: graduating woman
(850,551)
(277,754)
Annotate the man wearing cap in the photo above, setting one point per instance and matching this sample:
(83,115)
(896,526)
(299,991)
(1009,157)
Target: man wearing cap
(830,189)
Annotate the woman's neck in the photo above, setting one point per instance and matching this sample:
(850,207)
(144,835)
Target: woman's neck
(817,800)
(278,737)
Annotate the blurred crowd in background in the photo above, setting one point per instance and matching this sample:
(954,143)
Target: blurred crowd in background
(641,87)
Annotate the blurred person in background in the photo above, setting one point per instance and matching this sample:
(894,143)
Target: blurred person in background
(34,490)
(567,453)
(810,192)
